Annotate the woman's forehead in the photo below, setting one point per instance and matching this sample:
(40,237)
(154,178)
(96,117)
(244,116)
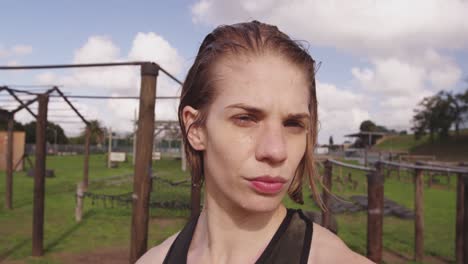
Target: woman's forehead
(262,81)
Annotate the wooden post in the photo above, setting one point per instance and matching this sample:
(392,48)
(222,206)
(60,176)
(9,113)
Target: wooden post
(79,201)
(134,136)
(142,178)
(459,228)
(399,169)
(86,158)
(429,180)
(109,148)
(39,177)
(365,156)
(465,219)
(375,196)
(327,182)
(448,180)
(9,164)
(419,215)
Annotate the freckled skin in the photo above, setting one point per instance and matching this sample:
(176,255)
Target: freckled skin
(236,151)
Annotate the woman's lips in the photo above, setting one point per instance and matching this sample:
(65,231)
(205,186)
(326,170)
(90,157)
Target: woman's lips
(267,184)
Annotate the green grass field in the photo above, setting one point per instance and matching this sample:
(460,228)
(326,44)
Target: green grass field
(106,227)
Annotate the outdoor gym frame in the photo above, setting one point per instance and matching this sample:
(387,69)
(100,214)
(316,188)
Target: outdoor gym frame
(142,169)
(40,166)
(142,174)
(375,208)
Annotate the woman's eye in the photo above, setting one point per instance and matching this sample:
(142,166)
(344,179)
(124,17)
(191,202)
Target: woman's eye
(295,126)
(244,120)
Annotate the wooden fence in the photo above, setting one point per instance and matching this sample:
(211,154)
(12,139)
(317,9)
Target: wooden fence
(375,182)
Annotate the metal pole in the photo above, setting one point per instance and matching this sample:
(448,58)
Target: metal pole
(9,164)
(375,196)
(142,178)
(39,177)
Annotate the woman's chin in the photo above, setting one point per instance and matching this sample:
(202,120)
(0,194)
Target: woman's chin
(261,204)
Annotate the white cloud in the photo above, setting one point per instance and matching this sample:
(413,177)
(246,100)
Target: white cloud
(3,52)
(341,111)
(12,63)
(21,50)
(367,26)
(97,49)
(124,80)
(152,47)
(46,78)
(122,112)
(397,84)
(391,77)
(15,51)
(402,42)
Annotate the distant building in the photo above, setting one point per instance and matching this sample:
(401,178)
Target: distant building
(367,139)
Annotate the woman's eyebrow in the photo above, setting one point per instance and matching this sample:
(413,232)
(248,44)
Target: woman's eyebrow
(258,111)
(298,116)
(248,108)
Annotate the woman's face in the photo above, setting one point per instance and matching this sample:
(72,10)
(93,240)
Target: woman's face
(255,132)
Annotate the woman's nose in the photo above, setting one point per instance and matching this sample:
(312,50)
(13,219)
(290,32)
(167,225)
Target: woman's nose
(271,145)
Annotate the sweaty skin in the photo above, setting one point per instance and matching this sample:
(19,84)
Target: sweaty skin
(256,126)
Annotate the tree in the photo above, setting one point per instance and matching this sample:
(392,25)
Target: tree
(330,141)
(438,113)
(97,132)
(367,126)
(16,125)
(54,133)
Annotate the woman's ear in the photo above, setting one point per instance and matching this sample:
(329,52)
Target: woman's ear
(195,133)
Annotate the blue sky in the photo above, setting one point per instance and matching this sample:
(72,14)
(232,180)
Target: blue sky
(378,58)
(56,28)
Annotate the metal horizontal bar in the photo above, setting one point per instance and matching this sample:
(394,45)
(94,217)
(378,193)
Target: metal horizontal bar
(86,65)
(351,166)
(80,65)
(115,97)
(426,168)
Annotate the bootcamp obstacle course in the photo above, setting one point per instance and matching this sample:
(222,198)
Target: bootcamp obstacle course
(140,196)
(143,156)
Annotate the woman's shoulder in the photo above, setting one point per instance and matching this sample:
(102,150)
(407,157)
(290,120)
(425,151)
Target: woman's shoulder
(327,247)
(158,253)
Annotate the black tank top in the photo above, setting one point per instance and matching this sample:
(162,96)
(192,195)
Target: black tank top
(290,243)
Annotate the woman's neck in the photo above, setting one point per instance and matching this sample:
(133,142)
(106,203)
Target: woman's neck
(228,234)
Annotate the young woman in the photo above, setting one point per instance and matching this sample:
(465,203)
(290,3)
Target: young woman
(249,115)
